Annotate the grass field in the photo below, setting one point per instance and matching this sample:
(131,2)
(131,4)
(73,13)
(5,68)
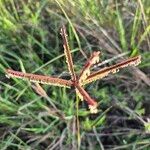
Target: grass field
(30,41)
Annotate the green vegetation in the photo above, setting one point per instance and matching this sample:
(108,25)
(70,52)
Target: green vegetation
(30,41)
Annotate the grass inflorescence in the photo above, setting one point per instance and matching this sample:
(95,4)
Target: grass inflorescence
(30,41)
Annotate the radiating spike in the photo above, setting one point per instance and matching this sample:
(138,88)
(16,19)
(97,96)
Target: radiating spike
(86,69)
(91,102)
(39,78)
(67,53)
(134,61)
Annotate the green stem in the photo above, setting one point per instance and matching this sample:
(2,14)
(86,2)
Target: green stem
(78,123)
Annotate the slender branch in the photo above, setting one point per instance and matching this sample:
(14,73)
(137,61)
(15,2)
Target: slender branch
(39,78)
(91,102)
(134,61)
(67,53)
(86,69)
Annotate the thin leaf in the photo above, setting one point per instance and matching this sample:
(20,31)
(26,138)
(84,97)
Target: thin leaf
(121,30)
(135,27)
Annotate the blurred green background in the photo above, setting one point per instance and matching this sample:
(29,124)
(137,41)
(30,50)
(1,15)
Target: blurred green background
(30,41)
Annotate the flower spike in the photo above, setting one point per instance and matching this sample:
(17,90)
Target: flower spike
(39,78)
(134,61)
(86,69)
(84,95)
(67,53)
(77,82)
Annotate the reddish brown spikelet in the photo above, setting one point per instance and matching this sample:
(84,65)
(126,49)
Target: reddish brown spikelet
(91,102)
(86,69)
(67,53)
(39,78)
(112,69)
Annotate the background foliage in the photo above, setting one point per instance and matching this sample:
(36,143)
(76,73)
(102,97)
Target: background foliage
(30,41)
